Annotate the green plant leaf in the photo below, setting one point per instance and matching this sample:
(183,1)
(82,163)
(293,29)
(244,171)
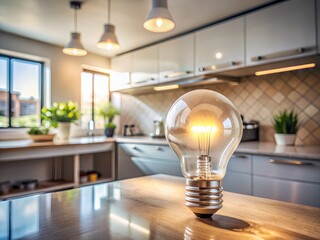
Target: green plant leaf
(286,122)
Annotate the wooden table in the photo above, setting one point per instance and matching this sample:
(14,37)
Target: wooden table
(151,208)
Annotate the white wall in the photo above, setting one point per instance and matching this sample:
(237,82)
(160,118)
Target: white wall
(65,70)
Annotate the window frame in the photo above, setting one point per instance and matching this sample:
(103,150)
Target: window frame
(93,102)
(10,85)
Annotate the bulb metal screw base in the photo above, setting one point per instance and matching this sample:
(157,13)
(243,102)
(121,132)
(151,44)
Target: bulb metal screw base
(203,197)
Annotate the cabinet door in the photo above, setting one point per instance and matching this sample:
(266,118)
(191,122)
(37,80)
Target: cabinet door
(120,77)
(282,31)
(238,176)
(237,182)
(287,168)
(149,151)
(158,166)
(220,47)
(240,163)
(289,191)
(176,59)
(125,167)
(145,66)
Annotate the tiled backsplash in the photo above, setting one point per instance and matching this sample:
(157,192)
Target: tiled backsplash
(257,98)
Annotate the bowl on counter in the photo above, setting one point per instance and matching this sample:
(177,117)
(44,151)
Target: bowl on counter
(42,138)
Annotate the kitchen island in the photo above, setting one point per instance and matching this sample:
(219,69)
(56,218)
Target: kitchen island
(151,207)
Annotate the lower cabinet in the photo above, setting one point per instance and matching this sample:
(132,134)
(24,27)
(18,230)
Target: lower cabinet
(237,182)
(151,166)
(287,179)
(279,178)
(136,160)
(287,190)
(238,176)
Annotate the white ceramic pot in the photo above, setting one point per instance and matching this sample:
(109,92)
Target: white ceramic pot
(63,130)
(284,139)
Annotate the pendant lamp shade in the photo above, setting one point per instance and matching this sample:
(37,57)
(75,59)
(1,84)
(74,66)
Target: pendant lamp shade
(108,39)
(159,18)
(75,47)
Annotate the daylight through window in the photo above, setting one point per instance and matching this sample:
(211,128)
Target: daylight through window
(94,95)
(20,92)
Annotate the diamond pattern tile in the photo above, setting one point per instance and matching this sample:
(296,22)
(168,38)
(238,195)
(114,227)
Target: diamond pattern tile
(257,98)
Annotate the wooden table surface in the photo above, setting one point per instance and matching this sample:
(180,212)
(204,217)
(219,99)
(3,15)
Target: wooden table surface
(151,208)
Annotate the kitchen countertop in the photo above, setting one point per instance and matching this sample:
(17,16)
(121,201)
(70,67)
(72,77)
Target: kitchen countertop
(23,144)
(151,208)
(260,148)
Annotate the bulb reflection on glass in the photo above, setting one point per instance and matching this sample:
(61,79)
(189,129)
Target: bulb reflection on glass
(204,128)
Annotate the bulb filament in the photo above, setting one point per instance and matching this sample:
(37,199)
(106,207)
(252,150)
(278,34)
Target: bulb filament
(204,134)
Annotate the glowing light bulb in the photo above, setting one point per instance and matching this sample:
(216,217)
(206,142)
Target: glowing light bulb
(75,51)
(204,128)
(159,22)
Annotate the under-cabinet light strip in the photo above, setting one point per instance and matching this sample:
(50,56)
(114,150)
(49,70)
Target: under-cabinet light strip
(166,87)
(285,69)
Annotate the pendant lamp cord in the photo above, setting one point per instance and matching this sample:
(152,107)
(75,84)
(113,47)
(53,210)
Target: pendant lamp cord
(109,11)
(75,20)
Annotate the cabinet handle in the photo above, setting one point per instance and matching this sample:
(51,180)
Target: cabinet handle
(160,149)
(219,66)
(134,147)
(177,74)
(239,156)
(281,54)
(145,80)
(289,162)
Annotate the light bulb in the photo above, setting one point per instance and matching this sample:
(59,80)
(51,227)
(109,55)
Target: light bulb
(204,129)
(159,22)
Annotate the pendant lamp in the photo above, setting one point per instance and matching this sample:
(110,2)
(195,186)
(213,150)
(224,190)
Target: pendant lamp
(75,47)
(159,18)
(108,39)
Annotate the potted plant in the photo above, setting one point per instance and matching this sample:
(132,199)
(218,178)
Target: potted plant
(286,127)
(39,134)
(108,112)
(60,116)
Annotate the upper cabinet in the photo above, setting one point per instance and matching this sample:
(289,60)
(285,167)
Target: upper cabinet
(176,59)
(121,69)
(283,31)
(220,47)
(145,66)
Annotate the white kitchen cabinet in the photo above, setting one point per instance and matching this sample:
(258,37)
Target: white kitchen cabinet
(176,59)
(283,31)
(220,47)
(121,69)
(145,66)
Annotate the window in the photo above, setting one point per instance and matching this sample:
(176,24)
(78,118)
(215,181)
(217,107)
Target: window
(20,92)
(94,95)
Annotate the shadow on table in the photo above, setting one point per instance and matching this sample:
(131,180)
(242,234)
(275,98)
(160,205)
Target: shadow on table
(218,226)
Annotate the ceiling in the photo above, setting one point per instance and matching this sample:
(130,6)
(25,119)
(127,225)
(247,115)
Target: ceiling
(52,20)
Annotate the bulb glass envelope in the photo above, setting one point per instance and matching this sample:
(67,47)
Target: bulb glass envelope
(75,47)
(203,124)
